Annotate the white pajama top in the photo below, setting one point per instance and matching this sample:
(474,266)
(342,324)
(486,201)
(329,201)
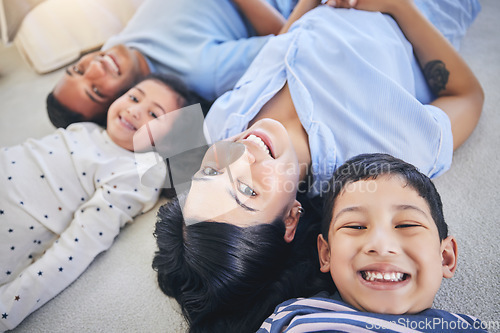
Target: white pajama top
(63,200)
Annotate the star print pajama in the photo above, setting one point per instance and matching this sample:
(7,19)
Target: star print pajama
(63,200)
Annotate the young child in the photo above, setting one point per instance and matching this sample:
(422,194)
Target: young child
(64,197)
(385,243)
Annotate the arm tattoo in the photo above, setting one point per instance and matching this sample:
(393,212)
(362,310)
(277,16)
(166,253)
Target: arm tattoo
(436,74)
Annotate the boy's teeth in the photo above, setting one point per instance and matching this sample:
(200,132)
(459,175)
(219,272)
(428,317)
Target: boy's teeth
(259,142)
(378,276)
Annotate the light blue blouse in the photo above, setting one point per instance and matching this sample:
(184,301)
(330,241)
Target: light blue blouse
(356,86)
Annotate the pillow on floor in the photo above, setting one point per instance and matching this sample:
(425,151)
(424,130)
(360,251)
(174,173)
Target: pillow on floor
(56,32)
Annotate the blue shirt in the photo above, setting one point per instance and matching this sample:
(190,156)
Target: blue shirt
(207,43)
(356,86)
(322,313)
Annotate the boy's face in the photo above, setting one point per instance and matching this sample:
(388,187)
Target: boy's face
(145,103)
(383,250)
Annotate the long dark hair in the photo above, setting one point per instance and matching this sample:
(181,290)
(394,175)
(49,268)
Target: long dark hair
(230,279)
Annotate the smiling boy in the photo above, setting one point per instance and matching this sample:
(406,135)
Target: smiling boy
(385,244)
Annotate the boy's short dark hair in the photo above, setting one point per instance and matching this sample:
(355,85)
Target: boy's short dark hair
(370,166)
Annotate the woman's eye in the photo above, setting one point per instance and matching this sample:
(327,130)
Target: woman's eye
(246,190)
(152,114)
(133,98)
(208,171)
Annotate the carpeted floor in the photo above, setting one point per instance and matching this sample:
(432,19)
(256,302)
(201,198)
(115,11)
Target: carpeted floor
(118,292)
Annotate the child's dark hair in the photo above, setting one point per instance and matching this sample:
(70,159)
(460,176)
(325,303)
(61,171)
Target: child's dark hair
(370,166)
(186,97)
(228,278)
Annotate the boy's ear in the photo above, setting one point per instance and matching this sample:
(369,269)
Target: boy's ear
(449,255)
(291,220)
(323,254)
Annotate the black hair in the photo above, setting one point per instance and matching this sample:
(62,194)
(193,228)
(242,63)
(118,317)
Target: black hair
(186,97)
(370,166)
(228,278)
(61,116)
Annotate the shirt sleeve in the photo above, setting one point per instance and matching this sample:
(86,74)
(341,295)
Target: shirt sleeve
(233,57)
(93,229)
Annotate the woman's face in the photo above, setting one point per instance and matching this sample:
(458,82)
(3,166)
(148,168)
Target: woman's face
(250,178)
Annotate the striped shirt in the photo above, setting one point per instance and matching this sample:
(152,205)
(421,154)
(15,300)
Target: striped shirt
(323,314)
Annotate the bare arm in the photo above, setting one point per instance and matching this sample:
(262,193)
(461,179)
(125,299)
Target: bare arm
(458,91)
(302,7)
(264,18)
(267,20)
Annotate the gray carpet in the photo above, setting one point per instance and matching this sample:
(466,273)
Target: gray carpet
(118,292)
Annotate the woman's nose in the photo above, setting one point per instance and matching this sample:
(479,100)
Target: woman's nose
(225,153)
(249,156)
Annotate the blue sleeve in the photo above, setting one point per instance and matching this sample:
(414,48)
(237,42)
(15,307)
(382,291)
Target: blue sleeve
(208,44)
(451,17)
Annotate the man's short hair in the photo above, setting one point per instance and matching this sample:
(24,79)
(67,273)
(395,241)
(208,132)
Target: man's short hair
(61,116)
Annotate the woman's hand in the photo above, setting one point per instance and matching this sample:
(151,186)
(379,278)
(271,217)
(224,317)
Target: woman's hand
(302,7)
(383,6)
(341,3)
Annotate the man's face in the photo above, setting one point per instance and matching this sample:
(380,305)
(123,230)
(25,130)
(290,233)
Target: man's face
(98,78)
(383,250)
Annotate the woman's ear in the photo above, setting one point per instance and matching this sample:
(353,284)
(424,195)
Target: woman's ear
(324,254)
(291,220)
(449,251)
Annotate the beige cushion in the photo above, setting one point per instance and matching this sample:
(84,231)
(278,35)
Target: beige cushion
(12,13)
(57,32)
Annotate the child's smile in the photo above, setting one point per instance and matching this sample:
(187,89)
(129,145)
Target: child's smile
(383,277)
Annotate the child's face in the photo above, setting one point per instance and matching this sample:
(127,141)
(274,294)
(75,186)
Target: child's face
(145,102)
(383,250)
